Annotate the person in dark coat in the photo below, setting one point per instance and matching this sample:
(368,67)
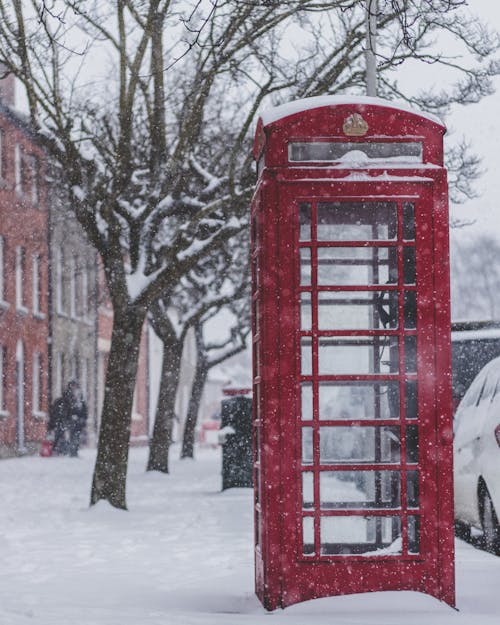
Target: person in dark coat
(75,416)
(57,428)
(67,419)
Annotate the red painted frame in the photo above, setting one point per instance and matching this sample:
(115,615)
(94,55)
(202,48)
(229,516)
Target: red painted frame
(283,574)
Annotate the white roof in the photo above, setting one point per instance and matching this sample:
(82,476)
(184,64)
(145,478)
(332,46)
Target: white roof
(474,335)
(271,115)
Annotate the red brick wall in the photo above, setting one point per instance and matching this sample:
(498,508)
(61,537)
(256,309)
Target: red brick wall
(24,223)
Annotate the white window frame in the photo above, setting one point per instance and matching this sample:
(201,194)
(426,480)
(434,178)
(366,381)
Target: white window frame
(37,294)
(20,271)
(2,159)
(72,286)
(35,179)
(59,282)
(85,293)
(3,367)
(59,374)
(18,166)
(2,270)
(36,383)
(84,366)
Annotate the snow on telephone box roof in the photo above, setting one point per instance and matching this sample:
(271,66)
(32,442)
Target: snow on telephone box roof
(352,131)
(275,113)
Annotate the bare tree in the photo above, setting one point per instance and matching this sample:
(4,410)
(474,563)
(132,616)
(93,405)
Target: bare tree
(219,282)
(209,354)
(475,278)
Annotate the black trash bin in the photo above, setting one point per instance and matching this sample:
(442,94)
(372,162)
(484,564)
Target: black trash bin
(236,430)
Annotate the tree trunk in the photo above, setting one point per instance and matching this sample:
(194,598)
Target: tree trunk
(200,376)
(110,472)
(165,410)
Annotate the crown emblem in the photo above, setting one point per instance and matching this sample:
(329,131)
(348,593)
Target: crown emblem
(355,126)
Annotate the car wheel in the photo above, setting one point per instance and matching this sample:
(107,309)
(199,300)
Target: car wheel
(489,519)
(462,530)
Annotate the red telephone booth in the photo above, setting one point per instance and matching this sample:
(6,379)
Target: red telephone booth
(351,336)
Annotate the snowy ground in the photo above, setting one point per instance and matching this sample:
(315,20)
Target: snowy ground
(182,555)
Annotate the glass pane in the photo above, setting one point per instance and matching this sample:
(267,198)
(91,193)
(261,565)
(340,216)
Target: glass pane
(409,221)
(374,354)
(411,400)
(356,221)
(358,400)
(306,401)
(412,489)
(412,443)
(372,444)
(305,311)
(308,535)
(409,274)
(356,266)
(369,535)
(414,534)
(411,354)
(386,304)
(306,356)
(305,266)
(307,489)
(360,489)
(305,221)
(355,310)
(307,445)
(410,308)
(349,151)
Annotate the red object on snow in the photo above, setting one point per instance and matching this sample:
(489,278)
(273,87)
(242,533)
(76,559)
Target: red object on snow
(351,352)
(46,449)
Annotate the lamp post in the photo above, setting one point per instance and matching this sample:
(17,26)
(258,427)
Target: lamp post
(371,38)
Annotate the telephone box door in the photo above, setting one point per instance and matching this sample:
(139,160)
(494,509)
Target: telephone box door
(360,400)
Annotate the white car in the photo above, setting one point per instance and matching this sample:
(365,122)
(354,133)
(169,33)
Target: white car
(476,454)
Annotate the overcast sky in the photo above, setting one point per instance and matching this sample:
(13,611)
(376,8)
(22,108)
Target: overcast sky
(480,124)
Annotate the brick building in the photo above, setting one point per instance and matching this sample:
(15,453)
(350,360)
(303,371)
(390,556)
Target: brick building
(24,254)
(73,308)
(55,316)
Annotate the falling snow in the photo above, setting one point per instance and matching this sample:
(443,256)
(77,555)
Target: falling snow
(181,555)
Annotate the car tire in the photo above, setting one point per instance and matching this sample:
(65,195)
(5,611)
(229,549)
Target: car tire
(489,520)
(462,530)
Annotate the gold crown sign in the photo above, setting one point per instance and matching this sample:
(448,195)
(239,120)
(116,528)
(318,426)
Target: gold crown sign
(355,126)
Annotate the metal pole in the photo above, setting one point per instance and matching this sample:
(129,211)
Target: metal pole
(371,38)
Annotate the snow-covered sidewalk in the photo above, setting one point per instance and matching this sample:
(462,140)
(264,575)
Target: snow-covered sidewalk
(181,555)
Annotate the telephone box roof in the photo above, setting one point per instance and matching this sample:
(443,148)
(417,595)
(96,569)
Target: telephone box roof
(276,113)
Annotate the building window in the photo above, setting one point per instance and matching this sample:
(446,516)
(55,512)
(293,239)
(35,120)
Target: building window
(18,169)
(75,367)
(3,378)
(60,299)
(59,373)
(84,377)
(20,273)
(72,286)
(35,179)
(37,294)
(85,293)
(2,155)
(2,280)
(37,384)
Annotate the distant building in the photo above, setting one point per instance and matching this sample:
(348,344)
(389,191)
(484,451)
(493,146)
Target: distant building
(24,301)
(73,307)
